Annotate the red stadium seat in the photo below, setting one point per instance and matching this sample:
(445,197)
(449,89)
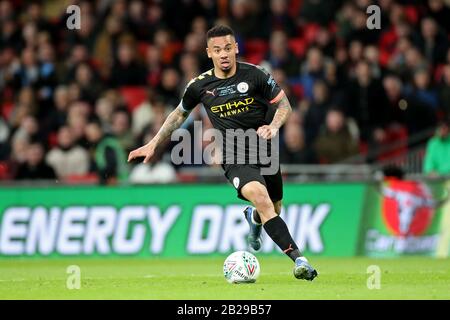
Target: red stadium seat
(133,96)
(397,136)
(89,178)
(310,32)
(254,58)
(6,110)
(297,90)
(143,48)
(411,13)
(255,46)
(297,46)
(438,71)
(4,171)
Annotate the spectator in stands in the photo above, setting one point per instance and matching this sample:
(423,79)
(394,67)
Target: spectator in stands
(127,71)
(35,167)
(440,12)
(143,114)
(87,82)
(444,90)
(437,153)
(121,129)
(77,119)
(106,45)
(433,42)
(311,71)
(153,66)
(280,18)
(294,150)
(280,56)
(136,20)
(335,143)
(26,105)
(58,115)
(4,136)
(423,92)
(367,103)
(169,90)
(189,67)
(318,11)
(30,130)
(107,155)
(68,159)
(317,110)
(244,19)
(396,98)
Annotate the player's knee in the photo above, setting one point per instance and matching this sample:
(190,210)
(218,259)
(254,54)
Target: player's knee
(262,202)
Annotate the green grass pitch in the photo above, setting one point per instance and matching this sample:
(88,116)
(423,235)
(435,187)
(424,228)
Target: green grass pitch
(201,278)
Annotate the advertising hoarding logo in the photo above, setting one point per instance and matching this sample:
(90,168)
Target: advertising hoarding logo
(408,207)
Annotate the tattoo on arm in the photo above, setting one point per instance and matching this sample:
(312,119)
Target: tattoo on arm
(173,122)
(283,111)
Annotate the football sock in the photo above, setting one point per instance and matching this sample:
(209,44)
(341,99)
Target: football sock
(277,229)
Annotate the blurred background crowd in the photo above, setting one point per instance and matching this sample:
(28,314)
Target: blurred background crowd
(73,103)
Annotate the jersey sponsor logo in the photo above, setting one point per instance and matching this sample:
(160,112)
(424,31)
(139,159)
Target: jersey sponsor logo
(242,87)
(232,105)
(232,108)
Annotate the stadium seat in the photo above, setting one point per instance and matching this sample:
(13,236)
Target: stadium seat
(186,178)
(310,32)
(297,46)
(395,136)
(133,96)
(7,109)
(254,58)
(411,14)
(255,46)
(438,72)
(89,178)
(297,90)
(4,171)
(143,48)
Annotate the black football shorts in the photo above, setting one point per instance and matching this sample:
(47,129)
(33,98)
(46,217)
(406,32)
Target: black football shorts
(241,174)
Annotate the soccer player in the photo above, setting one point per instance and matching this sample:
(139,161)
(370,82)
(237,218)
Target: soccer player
(238,96)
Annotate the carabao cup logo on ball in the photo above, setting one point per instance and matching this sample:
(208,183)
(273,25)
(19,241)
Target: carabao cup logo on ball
(241,267)
(408,207)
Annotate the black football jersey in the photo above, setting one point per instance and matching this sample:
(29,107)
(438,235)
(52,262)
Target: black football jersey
(239,102)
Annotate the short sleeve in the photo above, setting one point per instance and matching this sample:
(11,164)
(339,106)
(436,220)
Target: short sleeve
(267,86)
(190,97)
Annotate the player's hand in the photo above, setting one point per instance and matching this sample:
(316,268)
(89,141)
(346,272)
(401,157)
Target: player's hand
(146,151)
(267,132)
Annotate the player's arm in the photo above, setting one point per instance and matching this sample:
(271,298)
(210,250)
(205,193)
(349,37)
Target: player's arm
(281,103)
(173,122)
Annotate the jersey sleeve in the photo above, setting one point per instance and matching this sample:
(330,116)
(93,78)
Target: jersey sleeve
(267,86)
(190,97)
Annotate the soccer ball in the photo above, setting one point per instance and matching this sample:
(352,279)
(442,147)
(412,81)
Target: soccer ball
(241,267)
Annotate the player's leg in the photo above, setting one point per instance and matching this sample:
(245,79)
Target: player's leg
(277,206)
(274,185)
(276,228)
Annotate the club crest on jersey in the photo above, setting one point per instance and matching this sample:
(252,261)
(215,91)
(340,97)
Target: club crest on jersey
(242,87)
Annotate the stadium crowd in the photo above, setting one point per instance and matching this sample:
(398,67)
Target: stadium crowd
(75,102)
